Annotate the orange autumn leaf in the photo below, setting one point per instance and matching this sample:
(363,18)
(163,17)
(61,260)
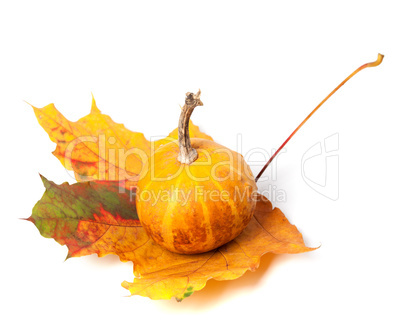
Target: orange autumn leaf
(97,148)
(100,217)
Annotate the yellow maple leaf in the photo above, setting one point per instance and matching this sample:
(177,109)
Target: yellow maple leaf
(97,148)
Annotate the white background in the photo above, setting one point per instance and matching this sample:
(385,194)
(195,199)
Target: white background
(262,67)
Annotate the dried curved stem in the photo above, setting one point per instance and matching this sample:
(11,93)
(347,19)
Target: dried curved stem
(187,154)
(372,64)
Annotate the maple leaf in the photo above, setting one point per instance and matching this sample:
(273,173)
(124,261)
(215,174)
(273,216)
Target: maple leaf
(87,217)
(97,148)
(100,217)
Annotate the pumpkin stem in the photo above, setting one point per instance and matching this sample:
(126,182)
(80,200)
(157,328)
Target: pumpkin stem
(187,154)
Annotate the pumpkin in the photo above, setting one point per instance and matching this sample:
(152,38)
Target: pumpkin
(194,195)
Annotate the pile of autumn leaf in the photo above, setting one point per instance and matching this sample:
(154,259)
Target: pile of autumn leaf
(98,214)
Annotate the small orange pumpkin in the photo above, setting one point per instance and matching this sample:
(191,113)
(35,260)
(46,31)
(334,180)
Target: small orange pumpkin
(194,195)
